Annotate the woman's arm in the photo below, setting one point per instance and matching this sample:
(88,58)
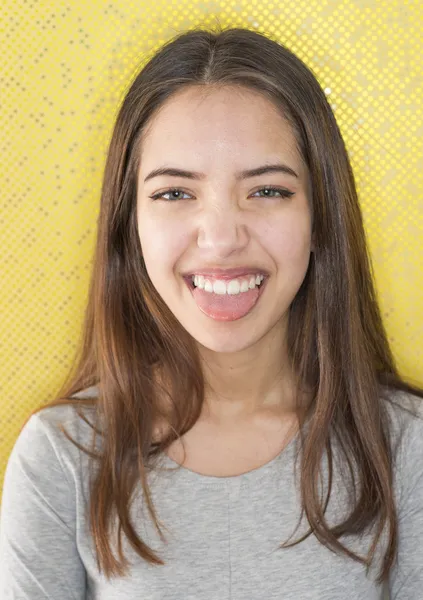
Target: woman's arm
(39,559)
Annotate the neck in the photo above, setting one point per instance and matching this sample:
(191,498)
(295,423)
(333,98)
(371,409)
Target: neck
(245,384)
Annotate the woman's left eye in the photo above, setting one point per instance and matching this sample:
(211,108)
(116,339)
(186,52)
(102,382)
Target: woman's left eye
(269,188)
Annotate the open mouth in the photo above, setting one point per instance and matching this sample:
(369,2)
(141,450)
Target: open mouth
(243,282)
(224,300)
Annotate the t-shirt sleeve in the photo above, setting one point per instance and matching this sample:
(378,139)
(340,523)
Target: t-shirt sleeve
(406,579)
(39,559)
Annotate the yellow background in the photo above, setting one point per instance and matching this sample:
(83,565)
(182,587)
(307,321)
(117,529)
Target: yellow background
(65,68)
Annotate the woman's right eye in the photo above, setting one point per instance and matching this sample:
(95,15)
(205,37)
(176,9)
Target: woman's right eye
(159,195)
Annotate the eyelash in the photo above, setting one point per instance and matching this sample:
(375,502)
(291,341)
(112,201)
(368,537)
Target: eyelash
(285,193)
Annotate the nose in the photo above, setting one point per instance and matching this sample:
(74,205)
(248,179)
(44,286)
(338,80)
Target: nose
(222,232)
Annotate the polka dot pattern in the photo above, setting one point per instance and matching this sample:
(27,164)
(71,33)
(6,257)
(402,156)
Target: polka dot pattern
(65,69)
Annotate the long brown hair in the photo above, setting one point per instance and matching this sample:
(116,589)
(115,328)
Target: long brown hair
(336,339)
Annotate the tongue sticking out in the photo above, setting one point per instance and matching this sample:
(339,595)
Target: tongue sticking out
(225,307)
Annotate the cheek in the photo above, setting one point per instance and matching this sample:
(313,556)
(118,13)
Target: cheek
(288,241)
(162,243)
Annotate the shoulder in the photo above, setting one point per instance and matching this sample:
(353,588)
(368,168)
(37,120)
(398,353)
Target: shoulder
(68,415)
(42,437)
(405,413)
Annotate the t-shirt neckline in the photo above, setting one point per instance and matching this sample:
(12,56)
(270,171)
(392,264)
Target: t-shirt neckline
(248,477)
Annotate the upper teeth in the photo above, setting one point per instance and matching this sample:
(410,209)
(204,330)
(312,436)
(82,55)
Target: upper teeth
(235,286)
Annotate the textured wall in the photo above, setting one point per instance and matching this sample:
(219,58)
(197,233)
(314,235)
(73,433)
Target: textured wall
(64,70)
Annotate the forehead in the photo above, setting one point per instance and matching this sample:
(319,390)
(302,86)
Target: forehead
(207,128)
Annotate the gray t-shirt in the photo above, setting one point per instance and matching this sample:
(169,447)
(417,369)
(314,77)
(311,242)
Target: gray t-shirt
(222,532)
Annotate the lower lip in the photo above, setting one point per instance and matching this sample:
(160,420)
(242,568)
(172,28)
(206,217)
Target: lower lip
(226,307)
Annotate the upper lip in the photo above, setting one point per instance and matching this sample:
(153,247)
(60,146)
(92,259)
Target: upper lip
(227,273)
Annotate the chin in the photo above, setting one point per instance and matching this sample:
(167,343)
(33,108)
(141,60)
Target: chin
(224,341)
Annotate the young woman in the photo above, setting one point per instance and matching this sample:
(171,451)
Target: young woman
(235,384)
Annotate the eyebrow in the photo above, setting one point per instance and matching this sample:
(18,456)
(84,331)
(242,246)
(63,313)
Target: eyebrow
(277,168)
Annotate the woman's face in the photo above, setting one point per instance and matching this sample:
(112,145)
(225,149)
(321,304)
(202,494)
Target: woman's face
(220,221)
